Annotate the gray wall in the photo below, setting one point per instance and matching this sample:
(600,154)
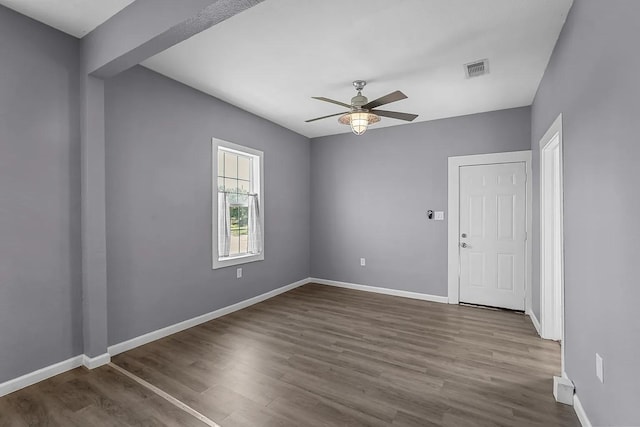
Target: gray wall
(40,290)
(592,80)
(158,156)
(370,195)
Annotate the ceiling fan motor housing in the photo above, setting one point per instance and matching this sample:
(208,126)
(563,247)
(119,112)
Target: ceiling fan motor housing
(358,101)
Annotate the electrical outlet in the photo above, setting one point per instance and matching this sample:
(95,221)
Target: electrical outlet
(439,216)
(238,273)
(363,262)
(599,368)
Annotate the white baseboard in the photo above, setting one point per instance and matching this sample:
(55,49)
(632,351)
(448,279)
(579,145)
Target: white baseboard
(39,375)
(582,415)
(385,291)
(535,321)
(178,327)
(103,359)
(95,362)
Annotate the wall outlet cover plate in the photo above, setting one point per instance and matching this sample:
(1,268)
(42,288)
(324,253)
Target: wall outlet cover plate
(599,368)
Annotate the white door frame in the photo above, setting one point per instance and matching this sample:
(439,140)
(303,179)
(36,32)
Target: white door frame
(455,163)
(551,291)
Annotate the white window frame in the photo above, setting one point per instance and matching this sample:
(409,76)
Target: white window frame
(258,188)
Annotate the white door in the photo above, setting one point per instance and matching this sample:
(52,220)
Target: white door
(492,234)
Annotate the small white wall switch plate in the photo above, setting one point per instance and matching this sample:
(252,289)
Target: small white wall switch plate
(439,216)
(363,262)
(563,390)
(238,273)
(599,368)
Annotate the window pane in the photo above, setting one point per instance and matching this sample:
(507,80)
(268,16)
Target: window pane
(221,184)
(237,221)
(244,168)
(243,219)
(230,185)
(244,186)
(233,216)
(220,163)
(230,165)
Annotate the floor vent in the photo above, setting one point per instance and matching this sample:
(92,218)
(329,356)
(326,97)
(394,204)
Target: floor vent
(476,68)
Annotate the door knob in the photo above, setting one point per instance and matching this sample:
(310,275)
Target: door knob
(464,234)
(463,244)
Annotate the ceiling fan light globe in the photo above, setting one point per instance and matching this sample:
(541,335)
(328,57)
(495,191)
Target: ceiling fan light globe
(359,122)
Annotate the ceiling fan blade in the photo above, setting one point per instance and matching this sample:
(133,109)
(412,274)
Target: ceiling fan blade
(387,99)
(324,117)
(333,101)
(395,115)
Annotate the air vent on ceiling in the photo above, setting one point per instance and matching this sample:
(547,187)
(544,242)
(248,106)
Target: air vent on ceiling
(477,68)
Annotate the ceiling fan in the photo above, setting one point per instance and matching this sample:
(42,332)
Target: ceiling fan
(362,112)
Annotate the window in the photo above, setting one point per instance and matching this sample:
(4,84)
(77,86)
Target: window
(238,220)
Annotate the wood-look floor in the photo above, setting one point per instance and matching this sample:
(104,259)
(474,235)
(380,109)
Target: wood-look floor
(320,356)
(83,398)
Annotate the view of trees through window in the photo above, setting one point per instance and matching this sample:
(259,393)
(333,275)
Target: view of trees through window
(234,178)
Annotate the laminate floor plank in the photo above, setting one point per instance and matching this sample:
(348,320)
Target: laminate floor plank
(82,398)
(331,356)
(320,356)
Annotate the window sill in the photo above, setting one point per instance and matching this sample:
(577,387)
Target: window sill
(238,260)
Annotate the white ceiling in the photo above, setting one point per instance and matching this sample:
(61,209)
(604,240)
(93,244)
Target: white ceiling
(75,17)
(271,59)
